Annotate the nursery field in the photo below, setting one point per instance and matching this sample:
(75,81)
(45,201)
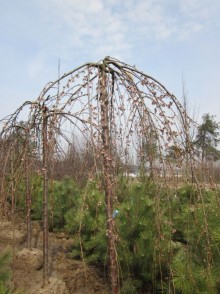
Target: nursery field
(158,251)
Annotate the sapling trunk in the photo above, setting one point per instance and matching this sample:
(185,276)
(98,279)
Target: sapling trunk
(45,195)
(28,200)
(12,184)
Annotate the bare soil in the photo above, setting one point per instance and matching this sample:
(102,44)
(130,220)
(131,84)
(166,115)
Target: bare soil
(66,276)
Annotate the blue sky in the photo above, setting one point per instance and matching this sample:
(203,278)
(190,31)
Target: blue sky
(171,40)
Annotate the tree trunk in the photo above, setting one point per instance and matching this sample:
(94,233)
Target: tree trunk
(28,199)
(108,182)
(45,196)
(12,182)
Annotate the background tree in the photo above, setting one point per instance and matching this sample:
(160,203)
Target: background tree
(207,137)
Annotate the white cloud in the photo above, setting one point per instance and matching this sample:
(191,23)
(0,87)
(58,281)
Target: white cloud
(200,10)
(93,25)
(111,25)
(197,15)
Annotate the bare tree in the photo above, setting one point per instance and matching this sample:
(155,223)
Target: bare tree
(115,108)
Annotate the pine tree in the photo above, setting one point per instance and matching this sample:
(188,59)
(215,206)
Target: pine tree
(207,137)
